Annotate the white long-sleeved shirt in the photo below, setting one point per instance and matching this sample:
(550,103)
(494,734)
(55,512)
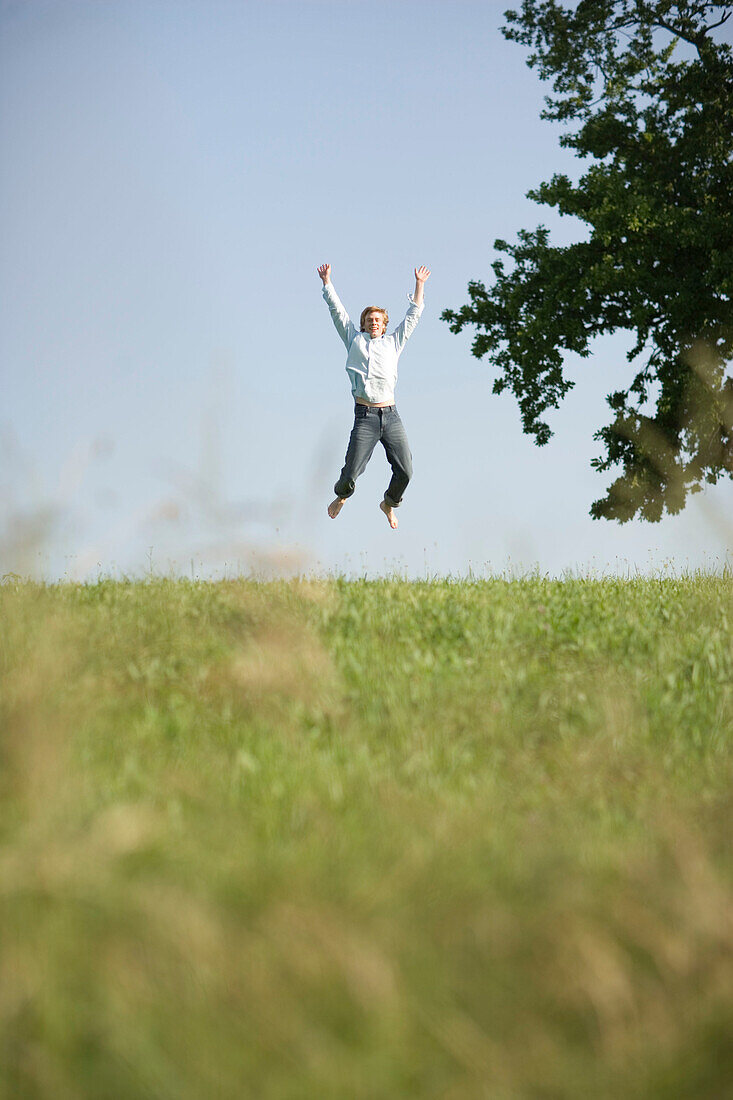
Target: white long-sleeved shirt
(371,363)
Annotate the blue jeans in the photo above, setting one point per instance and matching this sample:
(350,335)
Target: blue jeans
(370,427)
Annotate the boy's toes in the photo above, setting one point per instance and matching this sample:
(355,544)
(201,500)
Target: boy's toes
(389,513)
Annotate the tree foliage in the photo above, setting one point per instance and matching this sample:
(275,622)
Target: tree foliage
(645,93)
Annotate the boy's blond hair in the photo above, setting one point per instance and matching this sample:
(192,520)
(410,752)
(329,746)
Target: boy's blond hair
(373,309)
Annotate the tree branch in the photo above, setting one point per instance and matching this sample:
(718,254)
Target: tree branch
(695,40)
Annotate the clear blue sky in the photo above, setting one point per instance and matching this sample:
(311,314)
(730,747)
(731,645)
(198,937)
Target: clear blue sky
(172,173)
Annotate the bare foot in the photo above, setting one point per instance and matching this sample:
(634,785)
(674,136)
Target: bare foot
(335,506)
(389,513)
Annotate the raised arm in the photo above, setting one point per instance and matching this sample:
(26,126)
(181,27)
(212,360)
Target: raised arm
(422,274)
(343,323)
(405,329)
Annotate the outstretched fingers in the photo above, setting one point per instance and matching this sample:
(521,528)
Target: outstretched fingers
(422,273)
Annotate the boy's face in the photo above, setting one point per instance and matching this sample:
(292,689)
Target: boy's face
(374,323)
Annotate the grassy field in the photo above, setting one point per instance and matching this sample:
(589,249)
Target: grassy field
(335,840)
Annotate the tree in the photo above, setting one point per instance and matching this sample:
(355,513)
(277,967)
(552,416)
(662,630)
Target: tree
(650,90)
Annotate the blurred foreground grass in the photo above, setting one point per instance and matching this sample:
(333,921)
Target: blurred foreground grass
(367,839)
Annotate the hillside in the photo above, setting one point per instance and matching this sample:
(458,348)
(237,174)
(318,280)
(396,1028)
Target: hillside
(342,839)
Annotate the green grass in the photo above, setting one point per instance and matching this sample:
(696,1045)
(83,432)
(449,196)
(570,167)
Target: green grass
(367,839)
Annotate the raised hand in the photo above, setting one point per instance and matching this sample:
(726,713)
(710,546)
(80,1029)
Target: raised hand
(421,274)
(325,272)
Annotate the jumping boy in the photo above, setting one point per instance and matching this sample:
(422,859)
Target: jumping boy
(371,364)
